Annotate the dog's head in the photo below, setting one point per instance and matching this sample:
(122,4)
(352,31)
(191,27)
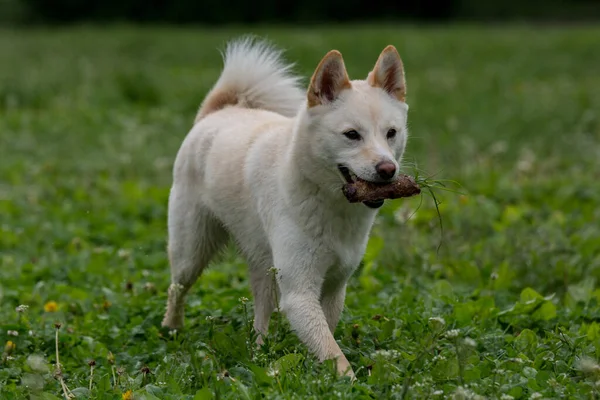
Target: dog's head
(359,126)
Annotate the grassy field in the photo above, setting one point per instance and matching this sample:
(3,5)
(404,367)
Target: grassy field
(502,303)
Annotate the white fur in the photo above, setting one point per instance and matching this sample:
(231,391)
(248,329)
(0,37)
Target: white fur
(264,172)
(255,72)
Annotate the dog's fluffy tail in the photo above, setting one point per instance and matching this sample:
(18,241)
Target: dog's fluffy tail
(254,76)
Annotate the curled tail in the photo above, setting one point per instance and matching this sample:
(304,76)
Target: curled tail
(254,76)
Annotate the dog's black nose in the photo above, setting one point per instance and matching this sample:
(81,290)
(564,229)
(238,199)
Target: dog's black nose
(386,169)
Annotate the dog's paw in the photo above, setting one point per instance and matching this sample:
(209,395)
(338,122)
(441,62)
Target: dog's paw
(345,369)
(172,322)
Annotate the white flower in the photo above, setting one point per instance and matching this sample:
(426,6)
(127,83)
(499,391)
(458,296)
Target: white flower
(451,334)
(438,357)
(438,393)
(123,253)
(506,397)
(587,365)
(12,333)
(22,308)
(470,342)
(176,288)
(536,395)
(437,323)
(387,354)
(462,393)
(526,161)
(498,147)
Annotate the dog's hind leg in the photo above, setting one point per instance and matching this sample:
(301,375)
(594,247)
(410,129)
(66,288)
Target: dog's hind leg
(264,290)
(194,238)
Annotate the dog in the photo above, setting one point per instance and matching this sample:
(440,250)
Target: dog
(264,165)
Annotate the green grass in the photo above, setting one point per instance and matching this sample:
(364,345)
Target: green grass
(91,120)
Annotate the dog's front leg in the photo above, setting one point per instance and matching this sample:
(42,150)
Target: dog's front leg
(332,302)
(302,265)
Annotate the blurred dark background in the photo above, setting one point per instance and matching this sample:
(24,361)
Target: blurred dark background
(47,12)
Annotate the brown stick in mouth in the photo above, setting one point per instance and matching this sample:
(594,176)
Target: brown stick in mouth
(364,191)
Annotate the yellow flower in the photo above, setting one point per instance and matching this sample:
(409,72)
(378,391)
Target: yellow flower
(128,395)
(51,306)
(9,347)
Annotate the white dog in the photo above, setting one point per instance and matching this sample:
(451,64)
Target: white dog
(264,164)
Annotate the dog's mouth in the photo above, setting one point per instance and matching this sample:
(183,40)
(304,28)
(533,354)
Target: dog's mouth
(351,177)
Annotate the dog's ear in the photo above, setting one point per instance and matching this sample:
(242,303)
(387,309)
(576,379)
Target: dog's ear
(388,73)
(329,79)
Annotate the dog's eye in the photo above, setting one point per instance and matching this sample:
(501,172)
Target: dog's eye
(352,135)
(391,133)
